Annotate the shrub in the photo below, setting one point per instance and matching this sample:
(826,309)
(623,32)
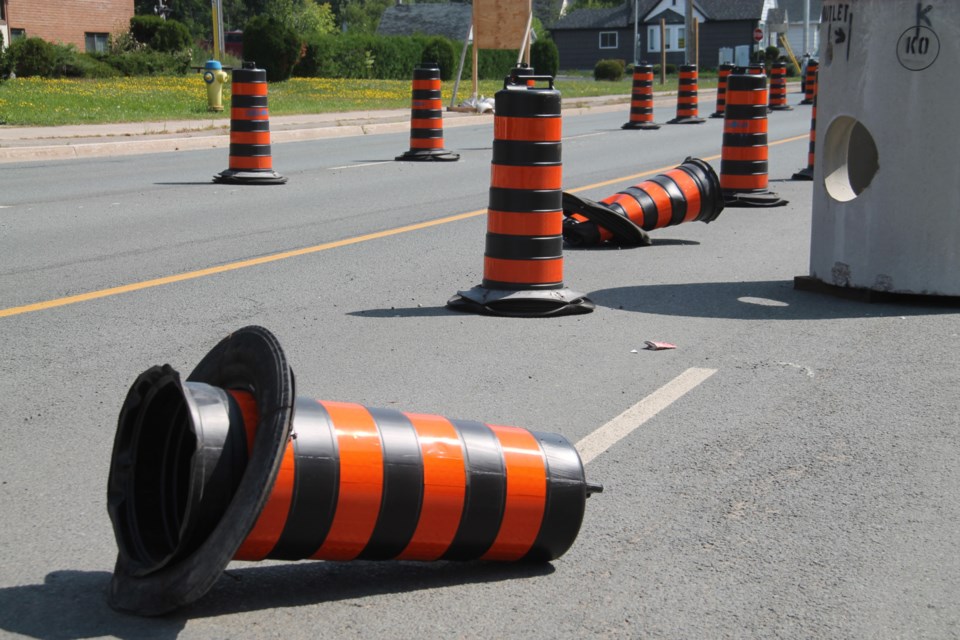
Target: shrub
(609,70)
(440,50)
(33,57)
(273,46)
(544,57)
(171,36)
(147,62)
(144,28)
(4,72)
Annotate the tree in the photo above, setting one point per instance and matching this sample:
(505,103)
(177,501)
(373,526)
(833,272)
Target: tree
(362,16)
(307,18)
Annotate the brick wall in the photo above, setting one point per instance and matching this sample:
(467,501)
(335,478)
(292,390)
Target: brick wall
(67,21)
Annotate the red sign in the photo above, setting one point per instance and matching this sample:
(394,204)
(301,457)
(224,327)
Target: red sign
(757,34)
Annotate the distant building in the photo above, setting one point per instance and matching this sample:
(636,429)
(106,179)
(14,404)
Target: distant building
(449,20)
(86,24)
(794,19)
(585,36)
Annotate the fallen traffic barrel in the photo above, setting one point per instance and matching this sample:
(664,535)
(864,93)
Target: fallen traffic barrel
(426,117)
(722,74)
(778,87)
(689,193)
(687,98)
(251,160)
(807,172)
(641,100)
(523,259)
(229,465)
(810,82)
(743,159)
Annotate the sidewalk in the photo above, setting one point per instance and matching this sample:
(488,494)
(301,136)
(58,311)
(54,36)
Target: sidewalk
(27,144)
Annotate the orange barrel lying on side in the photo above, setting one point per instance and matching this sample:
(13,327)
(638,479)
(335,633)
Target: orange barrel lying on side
(810,82)
(687,97)
(723,72)
(523,260)
(688,193)
(778,87)
(807,172)
(641,100)
(229,465)
(743,159)
(251,160)
(426,117)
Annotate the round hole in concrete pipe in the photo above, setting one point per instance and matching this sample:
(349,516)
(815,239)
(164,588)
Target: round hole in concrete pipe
(850,159)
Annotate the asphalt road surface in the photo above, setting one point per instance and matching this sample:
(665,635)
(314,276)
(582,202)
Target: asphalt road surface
(790,470)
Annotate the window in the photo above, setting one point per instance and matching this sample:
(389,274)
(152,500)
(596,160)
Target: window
(608,40)
(675,38)
(17,34)
(95,42)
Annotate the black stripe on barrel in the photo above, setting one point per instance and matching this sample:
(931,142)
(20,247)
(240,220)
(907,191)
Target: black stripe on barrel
(641,99)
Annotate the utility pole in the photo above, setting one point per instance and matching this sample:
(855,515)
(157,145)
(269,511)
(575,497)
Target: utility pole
(688,31)
(636,34)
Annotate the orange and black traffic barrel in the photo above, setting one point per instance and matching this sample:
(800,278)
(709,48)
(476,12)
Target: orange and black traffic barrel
(810,82)
(778,87)
(251,161)
(523,260)
(723,72)
(229,465)
(641,100)
(807,172)
(426,117)
(743,159)
(687,99)
(522,74)
(689,193)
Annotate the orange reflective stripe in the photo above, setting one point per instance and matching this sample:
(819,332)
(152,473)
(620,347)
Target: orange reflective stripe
(251,162)
(525,224)
(526,494)
(535,129)
(429,84)
(265,533)
(426,123)
(523,271)
(249,113)
(444,488)
(754,182)
(426,143)
(427,104)
(629,204)
(690,191)
(747,96)
(745,126)
(641,103)
(745,153)
(249,137)
(662,200)
(510,177)
(361,481)
(249,89)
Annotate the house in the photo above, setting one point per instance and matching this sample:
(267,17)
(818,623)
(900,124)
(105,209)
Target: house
(794,20)
(449,20)
(86,24)
(585,36)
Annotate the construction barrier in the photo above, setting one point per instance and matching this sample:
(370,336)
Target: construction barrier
(523,260)
(687,99)
(723,72)
(229,465)
(251,161)
(807,172)
(522,74)
(810,82)
(426,117)
(743,159)
(689,193)
(641,101)
(778,87)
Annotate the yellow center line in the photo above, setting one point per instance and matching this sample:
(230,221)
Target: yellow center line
(294,253)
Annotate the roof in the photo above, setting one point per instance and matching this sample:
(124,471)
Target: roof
(449,20)
(622,16)
(794,9)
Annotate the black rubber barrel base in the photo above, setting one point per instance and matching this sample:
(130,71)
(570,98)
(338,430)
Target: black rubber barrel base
(805,102)
(625,231)
(641,125)
(803,174)
(541,303)
(429,155)
(872,296)
(686,120)
(249,177)
(717,114)
(754,199)
(780,107)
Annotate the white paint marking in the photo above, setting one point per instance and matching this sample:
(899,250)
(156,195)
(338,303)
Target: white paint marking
(634,417)
(585,135)
(363,164)
(5,206)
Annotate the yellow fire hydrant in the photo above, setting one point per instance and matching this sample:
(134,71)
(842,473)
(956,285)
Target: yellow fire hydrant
(215,77)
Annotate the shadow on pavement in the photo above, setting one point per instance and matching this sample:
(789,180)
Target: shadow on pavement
(405,312)
(763,300)
(73,604)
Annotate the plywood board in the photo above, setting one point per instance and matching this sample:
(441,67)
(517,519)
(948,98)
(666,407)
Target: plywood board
(500,24)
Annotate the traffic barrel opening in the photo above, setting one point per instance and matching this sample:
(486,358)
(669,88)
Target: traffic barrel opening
(688,108)
(641,100)
(523,259)
(251,159)
(723,72)
(743,157)
(426,117)
(689,193)
(227,464)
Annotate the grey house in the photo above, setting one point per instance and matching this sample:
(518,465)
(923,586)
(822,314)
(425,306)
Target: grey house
(587,35)
(449,20)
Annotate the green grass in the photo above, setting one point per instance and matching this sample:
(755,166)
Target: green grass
(37,102)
